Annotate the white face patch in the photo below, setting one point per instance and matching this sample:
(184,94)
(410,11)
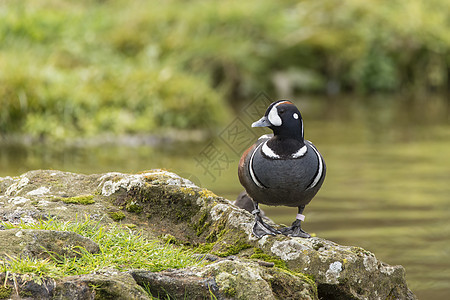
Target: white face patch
(273,116)
(295,115)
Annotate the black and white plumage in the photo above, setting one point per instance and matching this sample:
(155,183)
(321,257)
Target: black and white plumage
(283,168)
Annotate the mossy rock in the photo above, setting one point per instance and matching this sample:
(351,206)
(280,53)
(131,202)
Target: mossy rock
(227,279)
(107,285)
(160,203)
(43,243)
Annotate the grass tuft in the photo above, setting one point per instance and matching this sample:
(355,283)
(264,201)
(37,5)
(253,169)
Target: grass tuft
(120,247)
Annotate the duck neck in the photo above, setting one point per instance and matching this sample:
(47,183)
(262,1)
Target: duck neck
(283,135)
(285,146)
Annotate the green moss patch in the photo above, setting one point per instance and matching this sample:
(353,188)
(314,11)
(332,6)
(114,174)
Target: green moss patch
(202,225)
(284,284)
(259,254)
(82,199)
(116,215)
(222,244)
(5,292)
(232,249)
(133,207)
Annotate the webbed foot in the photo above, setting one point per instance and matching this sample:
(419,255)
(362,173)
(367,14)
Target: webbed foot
(295,230)
(260,228)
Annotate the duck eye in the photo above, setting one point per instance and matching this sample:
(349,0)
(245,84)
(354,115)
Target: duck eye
(281,111)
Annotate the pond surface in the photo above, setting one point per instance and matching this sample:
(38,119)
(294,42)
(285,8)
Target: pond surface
(387,186)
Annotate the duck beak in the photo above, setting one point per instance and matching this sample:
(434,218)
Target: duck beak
(263,122)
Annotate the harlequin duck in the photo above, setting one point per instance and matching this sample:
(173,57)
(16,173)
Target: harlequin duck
(281,169)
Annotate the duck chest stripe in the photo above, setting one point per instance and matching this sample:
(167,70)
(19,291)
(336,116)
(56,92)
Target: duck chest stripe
(319,172)
(302,151)
(252,173)
(269,152)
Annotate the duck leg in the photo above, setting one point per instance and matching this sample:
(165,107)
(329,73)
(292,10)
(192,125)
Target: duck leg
(260,228)
(296,229)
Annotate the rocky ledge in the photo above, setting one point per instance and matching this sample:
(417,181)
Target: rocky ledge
(171,208)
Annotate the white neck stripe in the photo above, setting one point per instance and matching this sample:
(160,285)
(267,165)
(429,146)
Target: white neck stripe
(302,151)
(265,136)
(269,152)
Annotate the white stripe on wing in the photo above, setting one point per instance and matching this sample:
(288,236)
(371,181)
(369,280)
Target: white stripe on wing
(319,171)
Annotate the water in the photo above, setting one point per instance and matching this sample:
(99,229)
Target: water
(387,187)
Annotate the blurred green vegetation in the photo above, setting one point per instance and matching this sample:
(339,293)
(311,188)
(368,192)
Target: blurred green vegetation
(71,68)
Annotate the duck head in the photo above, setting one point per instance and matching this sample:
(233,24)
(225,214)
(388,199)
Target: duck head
(284,118)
